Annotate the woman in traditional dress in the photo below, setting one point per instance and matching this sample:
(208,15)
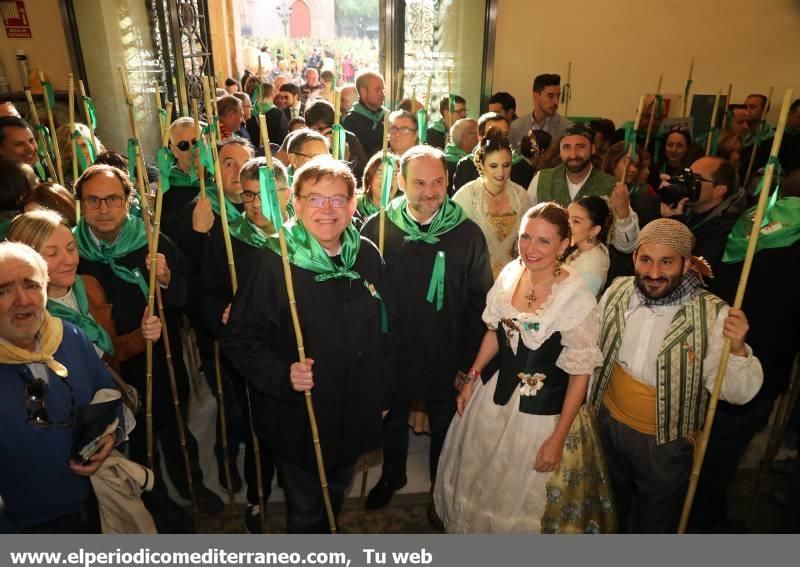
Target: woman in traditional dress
(78,299)
(589,220)
(493,201)
(522,454)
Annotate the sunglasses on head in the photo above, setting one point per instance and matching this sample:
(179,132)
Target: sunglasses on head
(185,145)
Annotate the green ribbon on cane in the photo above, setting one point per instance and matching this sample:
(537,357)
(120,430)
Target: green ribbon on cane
(47,87)
(388,175)
(162,116)
(686,90)
(204,151)
(337,132)
(40,172)
(778,174)
(268,191)
(165,161)
(630,139)
(133,143)
(436,285)
(422,125)
(91,110)
(44,133)
(384,314)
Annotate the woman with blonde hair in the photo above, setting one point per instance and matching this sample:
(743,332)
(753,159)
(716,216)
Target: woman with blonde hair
(78,299)
(83,143)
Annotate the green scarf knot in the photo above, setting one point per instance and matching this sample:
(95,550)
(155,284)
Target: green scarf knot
(212,193)
(388,177)
(131,237)
(630,139)
(338,133)
(306,253)
(439,126)
(82,318)
(375,117)
(365,207)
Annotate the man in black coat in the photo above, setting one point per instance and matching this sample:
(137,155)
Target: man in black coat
(113,249)
(340,287)
(277,124)
(320,117)
(440,261)
(365,119)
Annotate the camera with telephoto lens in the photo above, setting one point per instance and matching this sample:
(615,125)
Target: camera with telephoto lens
(685,184)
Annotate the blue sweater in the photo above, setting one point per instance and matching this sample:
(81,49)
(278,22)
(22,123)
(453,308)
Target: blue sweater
(36,482)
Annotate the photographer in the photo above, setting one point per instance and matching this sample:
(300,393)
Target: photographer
(707,199)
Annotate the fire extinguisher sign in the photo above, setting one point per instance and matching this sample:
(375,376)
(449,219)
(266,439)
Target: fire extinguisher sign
(15,19)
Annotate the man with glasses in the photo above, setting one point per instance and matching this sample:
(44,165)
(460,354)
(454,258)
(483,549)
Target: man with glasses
(441,258)
(303,145)
(248,238)
(437,132)
(48,368)
(320,117)
(365,119)
(339,286)
(403,134)
(113,249)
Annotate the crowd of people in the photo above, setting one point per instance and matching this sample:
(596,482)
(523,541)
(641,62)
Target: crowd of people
(555,294)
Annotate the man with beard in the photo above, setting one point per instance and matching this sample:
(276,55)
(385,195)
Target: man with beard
(662,335)
(441,258)
(575,177)
(365,118)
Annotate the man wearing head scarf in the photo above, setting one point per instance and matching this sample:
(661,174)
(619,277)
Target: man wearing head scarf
(662,337)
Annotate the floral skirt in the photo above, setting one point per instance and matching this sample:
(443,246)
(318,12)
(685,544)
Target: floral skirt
(486,482)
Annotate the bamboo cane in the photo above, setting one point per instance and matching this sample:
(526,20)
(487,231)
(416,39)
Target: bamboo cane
(53,138)
(688,87)
(82,90)
(201,172)
(41,140)
(162,123)
(757,138)
(629,153)
(428,96)
(450,108)
(399,92)
(337,118)
(223,421)
(763,197)
(312,418)
(215,110)
(784,411)
(73,142)
(653,112)
(568,89)
(728,99)
(712,124)
(382,214)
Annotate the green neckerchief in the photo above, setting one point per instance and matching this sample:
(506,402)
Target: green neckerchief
(179,178)
(375,117)
(242,229)
(765,132)
(439,126)
(365,206)
(230,209)
(132,237)
(82,318)
(305,252)
(4,226)
(782,231)
(453,153)
(449,216)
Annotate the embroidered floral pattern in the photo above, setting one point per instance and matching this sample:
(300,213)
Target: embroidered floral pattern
(531,383)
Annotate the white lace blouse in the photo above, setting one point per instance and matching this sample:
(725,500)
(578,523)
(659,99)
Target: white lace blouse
(571,310)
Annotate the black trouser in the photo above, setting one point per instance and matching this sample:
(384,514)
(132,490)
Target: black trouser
(395,437)
(305,507)
(649,480)
(734,428)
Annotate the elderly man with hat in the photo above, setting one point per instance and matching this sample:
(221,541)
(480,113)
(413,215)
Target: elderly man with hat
(662,337)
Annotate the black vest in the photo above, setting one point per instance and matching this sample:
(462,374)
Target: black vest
(550,398)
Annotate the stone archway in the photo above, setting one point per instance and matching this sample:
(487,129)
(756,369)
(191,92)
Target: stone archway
(300,20)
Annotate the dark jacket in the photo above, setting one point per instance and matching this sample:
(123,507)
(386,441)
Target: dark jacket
(371,138)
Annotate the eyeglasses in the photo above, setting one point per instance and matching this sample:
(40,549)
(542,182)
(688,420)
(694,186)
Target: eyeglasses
(184,145)
(318,201)
(404,131)
(250,196)
(112,202)
(36,407)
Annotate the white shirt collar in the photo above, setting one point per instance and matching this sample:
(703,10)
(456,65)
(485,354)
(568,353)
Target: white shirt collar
(426,222)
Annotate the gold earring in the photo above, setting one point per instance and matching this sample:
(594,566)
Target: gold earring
(557,269)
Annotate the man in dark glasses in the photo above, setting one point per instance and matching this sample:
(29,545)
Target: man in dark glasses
(184,183)
(47,369)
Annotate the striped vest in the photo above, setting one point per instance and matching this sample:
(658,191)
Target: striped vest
(680,394)
(552,185)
